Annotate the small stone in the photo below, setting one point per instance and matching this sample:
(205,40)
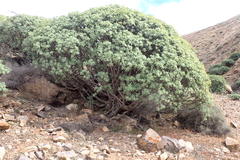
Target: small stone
(16,103)
(163,156)
(85,152)
(4,125)
(105,129)
(30,149)
(57,138)
(87,111)
(2,153)
(104,148)
(181,156)
(229,88)
(63,134)
(139,153)
(100,138)
(41,114)
(234,125)
(47,108)
(189,147)
(127,128)
(66,154)
(23,120)
(231,144)
(44,147)
(114,150)
(22,157)
(124,119)
(78,135)
(176,123)
(10,117)
(225,150)
(71,107)
(40,108)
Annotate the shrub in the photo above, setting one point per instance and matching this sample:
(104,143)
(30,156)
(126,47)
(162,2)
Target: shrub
(121,59)
(3,70)
(218,84)
(228,62)
(14,29)
(219,71)
(218,65)
(234,96)
(236,85)
(235,56)
(215,124)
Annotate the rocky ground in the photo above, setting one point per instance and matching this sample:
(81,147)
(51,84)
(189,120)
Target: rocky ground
(40,131)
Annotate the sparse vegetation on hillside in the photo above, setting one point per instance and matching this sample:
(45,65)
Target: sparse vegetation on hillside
(234,96)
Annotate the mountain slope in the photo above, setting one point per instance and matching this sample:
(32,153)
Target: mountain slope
(217,42)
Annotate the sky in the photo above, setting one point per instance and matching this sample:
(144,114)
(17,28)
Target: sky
(186,16)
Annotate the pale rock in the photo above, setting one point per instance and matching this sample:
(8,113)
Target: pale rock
(229,88)
(126,120)
(23,120)
(22,157)
(172,145)
(71,107)
(95,150)
(78,135)
(217,149)
(139,153)
(32,155)
(57,138)
(158,153)
(63,134)
(100,138)
(44,146)
(163,156)
(40,155)
(232,144)
(150,141)
(67,147)
(104,148)
(39,108)
(189,147)
(233,124)
(102,116)
(105,129)
(113,150)
(225,150)
(82,119)
(50,130)
(2,153)
(176,123)
(10,117)
(66,154)
(47,108)
(181,156)
(4,125)
(30,149)
(85,152)
(87,111)
(170,156)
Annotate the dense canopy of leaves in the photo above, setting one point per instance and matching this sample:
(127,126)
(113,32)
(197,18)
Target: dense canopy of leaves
(121,59)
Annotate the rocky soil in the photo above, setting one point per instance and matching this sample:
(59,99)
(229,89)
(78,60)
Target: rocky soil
(40,131)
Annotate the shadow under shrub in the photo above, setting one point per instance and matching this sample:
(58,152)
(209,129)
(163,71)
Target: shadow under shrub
(236,86)
(228,62)
(214,124)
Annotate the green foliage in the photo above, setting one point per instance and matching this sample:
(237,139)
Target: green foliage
(122,59)
(218,65)
(228,62)
(219,71)
(2,18)
(234,96)
(218,84)
(236,85)
(13,30)
(235,56)
(3,70)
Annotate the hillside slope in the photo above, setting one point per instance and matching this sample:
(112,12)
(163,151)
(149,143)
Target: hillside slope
(217,43)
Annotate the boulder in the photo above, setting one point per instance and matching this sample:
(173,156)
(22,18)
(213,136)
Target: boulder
(173,145)
(150,141)
(232,144)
